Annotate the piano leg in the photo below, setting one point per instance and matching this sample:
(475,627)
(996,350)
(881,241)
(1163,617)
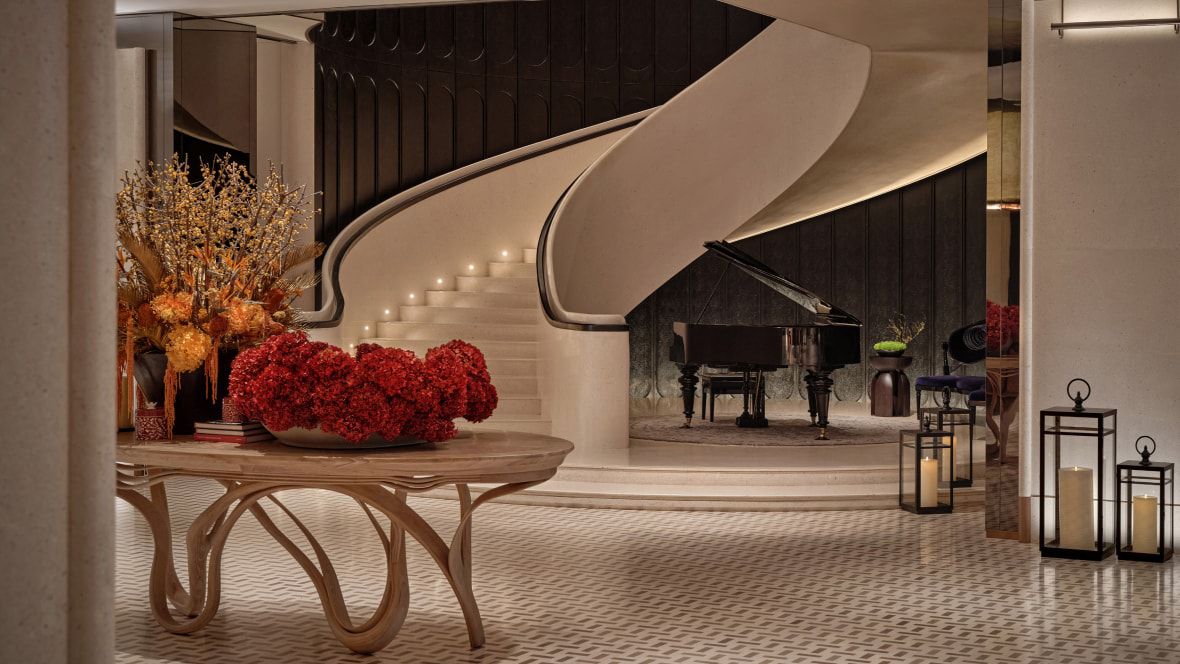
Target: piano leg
(819,390)
(809,380)
(688,389)
(752,392)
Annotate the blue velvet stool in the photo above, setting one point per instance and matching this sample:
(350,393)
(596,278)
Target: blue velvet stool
(966,346)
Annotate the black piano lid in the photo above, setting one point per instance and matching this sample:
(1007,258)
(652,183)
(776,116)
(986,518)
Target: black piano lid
(826,313)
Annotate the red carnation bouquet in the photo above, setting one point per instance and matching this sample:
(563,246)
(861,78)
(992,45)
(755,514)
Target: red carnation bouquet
(290,381)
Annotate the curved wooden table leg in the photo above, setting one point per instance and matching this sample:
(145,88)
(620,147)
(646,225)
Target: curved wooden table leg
(155,511)
(453,560)
(381,628)
(459,556)
(207,536)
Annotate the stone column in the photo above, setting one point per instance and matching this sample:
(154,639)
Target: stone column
(57,336)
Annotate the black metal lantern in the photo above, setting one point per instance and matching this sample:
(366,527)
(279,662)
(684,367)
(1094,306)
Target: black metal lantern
(1071,489)
(959,470)
(1144,524)
(929,449)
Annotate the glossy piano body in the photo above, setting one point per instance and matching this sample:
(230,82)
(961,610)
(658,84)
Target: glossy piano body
(833,341)
(768,346)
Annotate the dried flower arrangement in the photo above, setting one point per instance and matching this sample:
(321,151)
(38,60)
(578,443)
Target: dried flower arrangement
(206,266)
(904,330)
(289,381)
(901,332)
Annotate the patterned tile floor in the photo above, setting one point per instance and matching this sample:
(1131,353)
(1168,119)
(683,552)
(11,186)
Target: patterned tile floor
(575,585)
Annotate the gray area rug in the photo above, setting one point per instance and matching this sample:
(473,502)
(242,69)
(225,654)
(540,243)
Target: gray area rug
(783,431)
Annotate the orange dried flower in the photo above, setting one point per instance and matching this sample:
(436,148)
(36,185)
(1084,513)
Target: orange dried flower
(145,316)
(274,299)
(173,307)
(246,318)
(186,347)
(218,325)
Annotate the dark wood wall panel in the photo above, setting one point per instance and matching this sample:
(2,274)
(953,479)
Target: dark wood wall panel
(849,282)
(883,283)
(404,95)
(917,270)
(918,251)
(346,135)
(948,247)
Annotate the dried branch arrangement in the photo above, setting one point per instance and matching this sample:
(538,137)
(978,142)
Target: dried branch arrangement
(208,265)
(904,330)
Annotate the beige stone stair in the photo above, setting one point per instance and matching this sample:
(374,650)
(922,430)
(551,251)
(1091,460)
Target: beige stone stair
(498,313)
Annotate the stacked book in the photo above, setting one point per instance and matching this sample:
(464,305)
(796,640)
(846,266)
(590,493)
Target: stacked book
(231,432)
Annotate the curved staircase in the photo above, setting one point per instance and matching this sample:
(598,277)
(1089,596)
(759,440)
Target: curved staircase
(497,310)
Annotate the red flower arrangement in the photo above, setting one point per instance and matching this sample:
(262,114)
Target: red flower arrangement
(1003,327)
(289,381)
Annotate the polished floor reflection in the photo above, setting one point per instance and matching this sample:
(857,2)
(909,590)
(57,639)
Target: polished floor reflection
(582,585)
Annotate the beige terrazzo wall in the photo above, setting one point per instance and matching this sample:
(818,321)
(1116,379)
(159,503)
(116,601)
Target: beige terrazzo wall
(1101,239)
(58,331)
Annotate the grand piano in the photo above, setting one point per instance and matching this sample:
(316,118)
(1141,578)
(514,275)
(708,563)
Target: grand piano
(831,342)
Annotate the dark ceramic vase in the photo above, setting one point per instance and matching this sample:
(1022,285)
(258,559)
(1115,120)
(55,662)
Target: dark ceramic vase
(192,402)
(890,353)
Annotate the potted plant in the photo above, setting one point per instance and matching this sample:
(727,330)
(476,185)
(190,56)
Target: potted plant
(901,332)
(203,269)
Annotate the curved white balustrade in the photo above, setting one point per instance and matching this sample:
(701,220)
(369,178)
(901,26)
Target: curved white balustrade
(444,224)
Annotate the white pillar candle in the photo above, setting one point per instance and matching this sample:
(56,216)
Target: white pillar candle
(1144,510)
(1076,506)
(929,476)
(950,468)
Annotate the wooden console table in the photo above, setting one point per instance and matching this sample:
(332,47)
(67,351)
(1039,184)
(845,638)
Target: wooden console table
(377,479)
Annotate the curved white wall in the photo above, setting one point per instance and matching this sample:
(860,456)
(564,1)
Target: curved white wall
(698,167)
(586,380)
(921,114)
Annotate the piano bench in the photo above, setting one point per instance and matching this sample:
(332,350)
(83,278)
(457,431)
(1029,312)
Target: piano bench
(718,383)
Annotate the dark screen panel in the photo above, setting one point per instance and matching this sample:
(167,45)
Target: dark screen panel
(917,271)
(849,255)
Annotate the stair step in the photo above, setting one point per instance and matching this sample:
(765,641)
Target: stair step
(486,331)
(514,386)
(482,300)
(529,255)
(508,424)
(509,368)
(516,270)
(497,284)
(493,315)
(521,350)
(515,407)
